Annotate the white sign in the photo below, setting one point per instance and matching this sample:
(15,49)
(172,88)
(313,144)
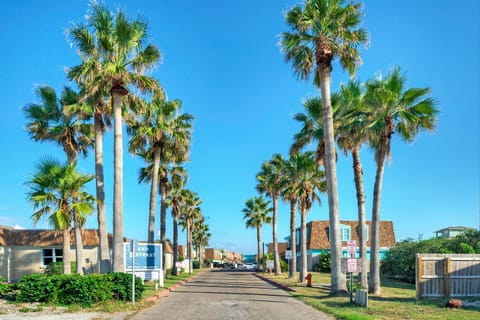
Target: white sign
(352,247)
(288,254)
(352,265)
(270,264)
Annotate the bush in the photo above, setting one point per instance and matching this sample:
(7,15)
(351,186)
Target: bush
(399,262)
(196,264)
(122,286)
(283,265)
(324,263)
(78,289)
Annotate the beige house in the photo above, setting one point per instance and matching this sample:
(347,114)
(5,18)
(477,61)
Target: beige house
(23,252)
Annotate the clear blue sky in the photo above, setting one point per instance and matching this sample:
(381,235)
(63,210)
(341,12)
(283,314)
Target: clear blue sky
(222,60)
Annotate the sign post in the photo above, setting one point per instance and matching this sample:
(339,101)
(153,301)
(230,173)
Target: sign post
(145,261)
(351,263)
(133,244)
(288,256)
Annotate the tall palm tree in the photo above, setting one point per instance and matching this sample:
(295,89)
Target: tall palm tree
(256,214)
(189,212)
(323,30)
(167,135)
(57,193)
(392,108)
(350,139)
(200,237)
(303,182)
(94,92)
(53,120)
(174,199)
(268,182)
(123,57)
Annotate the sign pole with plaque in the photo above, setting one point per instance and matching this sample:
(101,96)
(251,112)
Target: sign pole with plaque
(351,263)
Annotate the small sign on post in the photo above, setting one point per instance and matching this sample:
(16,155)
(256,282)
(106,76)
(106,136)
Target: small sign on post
(288,254)
(352,248)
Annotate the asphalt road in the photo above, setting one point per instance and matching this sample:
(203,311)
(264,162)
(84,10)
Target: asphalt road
(229,294)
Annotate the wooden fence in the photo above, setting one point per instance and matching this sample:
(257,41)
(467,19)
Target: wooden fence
(447,275)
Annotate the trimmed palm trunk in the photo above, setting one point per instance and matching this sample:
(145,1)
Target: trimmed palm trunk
(118,250)
(303,243)
(259,245)
(374,284)
(338,280)
(153,197)
(293,244)
(67,268)
(78,247)
(189,246)
(104,254)
(276,256)
(175,244)
(358,174)
(163,209)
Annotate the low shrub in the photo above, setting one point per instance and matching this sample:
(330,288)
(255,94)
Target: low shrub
(84,290)
(324,263)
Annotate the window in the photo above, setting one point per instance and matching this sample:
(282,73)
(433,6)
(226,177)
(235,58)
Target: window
(51,255)
(344,232)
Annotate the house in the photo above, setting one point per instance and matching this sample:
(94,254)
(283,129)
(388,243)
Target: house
(318,238)
(451,232)
(24,252)
(282,247)
(213,255)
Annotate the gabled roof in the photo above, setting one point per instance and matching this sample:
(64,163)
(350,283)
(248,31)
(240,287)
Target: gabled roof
(44,238)
(282,247)
(318,237)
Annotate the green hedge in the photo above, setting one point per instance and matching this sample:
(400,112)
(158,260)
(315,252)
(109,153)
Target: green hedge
(84,290)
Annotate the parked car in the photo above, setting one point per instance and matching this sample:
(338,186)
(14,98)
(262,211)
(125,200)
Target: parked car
(249,266)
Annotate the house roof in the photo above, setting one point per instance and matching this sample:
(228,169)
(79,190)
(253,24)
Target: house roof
(42,238)
(318,237)
(459,228)
(282,247)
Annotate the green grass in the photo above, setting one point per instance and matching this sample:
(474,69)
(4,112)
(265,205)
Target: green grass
(397,301)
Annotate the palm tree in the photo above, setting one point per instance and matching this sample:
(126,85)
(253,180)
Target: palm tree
(350,139)
(201,235)
(123,58)
(390,108)
(174,199)
(268,182)
(57,193)
(190,210)
(256,214)
(321,31)
(302,183)
(166,134)
(94,91)
(54,120)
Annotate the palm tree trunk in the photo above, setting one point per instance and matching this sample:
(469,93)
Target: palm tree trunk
(374,284)
(153,197)
(358,174)
(259,245)
(338,280)
(200,258)
(175,244)
(293,244)
(163,209)
(303,232)
(78,247)
(276,256)
(118,250)
(67,268)
(104,254)
(189,246)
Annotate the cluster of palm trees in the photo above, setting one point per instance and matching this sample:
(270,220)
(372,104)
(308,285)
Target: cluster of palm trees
(112,84)
(360,113)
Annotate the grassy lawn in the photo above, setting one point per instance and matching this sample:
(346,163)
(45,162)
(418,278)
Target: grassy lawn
(397,301)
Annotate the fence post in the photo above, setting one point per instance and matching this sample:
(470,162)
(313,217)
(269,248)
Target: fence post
(446,270)
(419,269)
